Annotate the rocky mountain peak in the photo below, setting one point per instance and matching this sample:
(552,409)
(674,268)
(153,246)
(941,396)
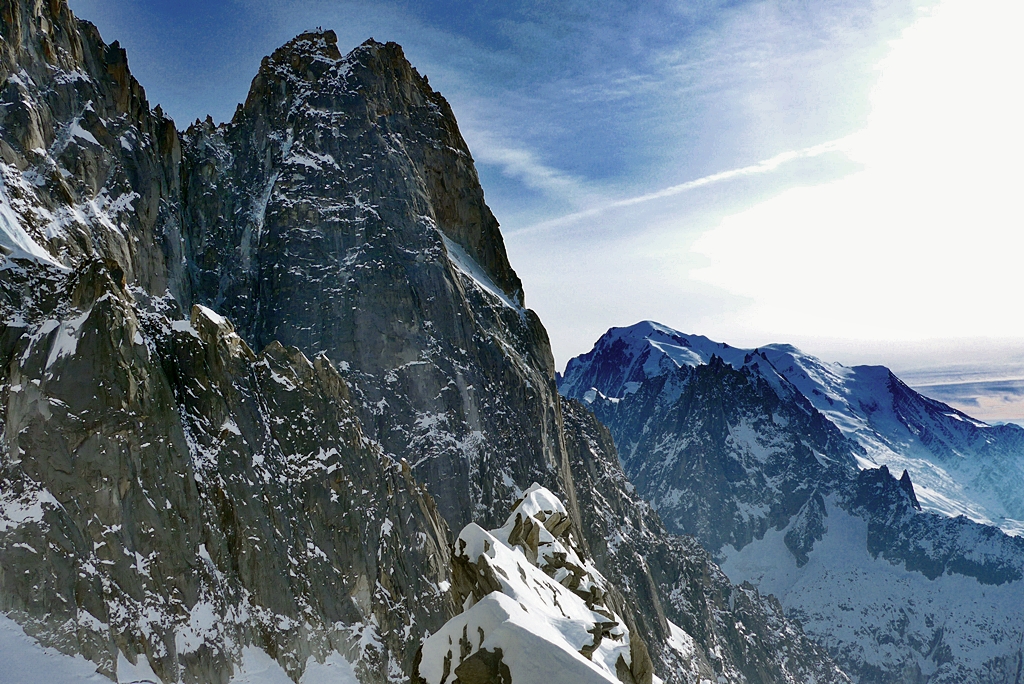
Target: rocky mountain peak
(362,148)
(311,44)
(908,487)
(878,490)
(47,31)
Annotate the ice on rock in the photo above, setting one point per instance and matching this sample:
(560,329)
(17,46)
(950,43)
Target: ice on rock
(533,607)
(15,242)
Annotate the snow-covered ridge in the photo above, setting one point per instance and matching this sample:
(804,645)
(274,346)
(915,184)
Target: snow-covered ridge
(959,465)
(533,608)
(956,627)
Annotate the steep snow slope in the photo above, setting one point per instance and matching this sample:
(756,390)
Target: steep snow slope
(533,608)
(959,465)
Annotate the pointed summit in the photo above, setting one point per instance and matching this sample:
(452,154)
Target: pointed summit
(908,487)
(311,43)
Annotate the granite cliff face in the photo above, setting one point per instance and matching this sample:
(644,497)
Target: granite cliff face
(88,168)
(254,373)
(169,494)
(340,211)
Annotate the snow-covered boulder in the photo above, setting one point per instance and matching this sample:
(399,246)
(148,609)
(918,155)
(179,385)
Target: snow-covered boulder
(533,608)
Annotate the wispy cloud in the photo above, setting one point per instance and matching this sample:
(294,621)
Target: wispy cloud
(761,167)
(923,241)
(525,165)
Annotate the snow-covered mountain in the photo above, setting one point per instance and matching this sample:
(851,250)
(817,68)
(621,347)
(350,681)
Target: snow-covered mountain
(959,465)
(533,607)
(730,445)
(253,374)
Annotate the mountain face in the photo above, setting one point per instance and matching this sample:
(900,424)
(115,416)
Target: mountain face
(340,212)
(729,445)
(684,427)
(959,465)
(255,373)
(172,496)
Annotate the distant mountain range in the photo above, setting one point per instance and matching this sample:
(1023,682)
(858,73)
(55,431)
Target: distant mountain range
(959,465)
(867,509)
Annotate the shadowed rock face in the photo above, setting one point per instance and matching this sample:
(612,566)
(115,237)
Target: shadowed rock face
(686,442)
(89,167)
(332,213)
(335,164)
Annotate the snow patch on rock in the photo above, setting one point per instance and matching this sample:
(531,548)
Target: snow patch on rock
(533,608)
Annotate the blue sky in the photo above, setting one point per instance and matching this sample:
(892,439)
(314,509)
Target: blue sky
(562,103)
(735,169)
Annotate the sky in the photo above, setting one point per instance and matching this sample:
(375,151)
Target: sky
(844,176)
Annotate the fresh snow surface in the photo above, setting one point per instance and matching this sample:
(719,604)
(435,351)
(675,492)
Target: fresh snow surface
(539,624)
(212,315)
(469,267)
(872,610)
(13,237)
(25,661)
(959,465)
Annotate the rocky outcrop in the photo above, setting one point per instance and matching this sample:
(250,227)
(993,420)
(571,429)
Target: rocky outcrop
(533,608)
(88,168)
(182,497)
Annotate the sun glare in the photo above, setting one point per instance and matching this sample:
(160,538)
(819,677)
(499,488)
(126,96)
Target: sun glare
(926,239)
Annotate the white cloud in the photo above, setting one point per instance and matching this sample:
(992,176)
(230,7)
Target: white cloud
(927,239)
(761,167)
(524,165)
